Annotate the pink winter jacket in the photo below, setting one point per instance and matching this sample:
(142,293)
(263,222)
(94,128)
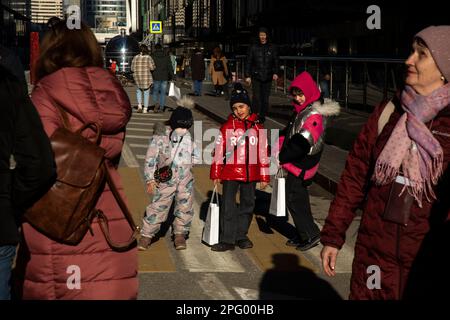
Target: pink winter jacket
(47,269)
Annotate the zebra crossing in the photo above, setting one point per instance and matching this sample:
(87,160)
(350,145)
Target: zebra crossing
(139,131)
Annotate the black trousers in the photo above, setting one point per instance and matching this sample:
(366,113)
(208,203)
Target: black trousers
(234,220)
(297,201)
(261,93)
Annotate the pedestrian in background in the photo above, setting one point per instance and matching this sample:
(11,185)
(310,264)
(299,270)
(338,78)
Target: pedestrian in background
(398,173)
(142,67)
(218,69)
(261,69)
(240,160)
(198,70)
(81,87)
(113,66)
(171,145)
(25,178)
(325,86)
(162,74)
(302,146)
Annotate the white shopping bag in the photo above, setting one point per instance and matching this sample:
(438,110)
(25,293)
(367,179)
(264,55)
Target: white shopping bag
(278,198)
(211,228)
(174,91)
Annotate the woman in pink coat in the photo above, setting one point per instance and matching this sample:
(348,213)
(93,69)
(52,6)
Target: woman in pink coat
(69,74)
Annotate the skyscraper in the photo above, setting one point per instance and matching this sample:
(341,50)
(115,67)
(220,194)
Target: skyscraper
(42,10)
(105,15)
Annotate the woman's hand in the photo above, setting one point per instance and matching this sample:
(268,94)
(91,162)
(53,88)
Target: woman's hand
(329,255)
(263,185)
(151,186)
(217,182)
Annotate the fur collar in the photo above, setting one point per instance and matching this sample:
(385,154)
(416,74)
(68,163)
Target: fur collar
(328,108)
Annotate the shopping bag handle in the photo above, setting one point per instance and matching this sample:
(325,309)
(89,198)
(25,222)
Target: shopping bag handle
(280,173)
(215,194)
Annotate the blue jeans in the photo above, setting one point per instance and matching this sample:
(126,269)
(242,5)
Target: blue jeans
(7,254)
(160,87)
(146,96)
(198,87)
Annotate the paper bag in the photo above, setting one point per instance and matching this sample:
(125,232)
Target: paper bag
(211,228)
(174,91)
(278,198)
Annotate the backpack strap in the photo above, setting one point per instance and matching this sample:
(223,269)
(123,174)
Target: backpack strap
(385,115)
(103,220)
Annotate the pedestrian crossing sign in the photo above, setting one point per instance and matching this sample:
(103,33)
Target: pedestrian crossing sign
(155,26)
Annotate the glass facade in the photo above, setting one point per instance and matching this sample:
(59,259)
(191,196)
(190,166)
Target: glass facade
(105,15)
(15,26)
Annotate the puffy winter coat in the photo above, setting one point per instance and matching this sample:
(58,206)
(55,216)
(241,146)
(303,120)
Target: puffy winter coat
(161,152)
(87,94)
(262,62)
(239,156)
(302,139)
(391,247)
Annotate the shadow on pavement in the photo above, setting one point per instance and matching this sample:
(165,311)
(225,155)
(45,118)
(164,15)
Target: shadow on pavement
(267,222)
(288,280)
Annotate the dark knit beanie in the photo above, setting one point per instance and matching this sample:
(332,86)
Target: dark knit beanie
(239,94)
(181,118)
(437,39)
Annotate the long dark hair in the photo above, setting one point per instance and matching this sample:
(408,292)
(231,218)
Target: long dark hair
(63,47)
(217,53)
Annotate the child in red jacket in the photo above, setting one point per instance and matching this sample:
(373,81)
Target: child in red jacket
(240,160)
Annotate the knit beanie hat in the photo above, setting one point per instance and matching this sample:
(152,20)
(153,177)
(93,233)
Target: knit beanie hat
(239,94)
(182,116)
(437,39)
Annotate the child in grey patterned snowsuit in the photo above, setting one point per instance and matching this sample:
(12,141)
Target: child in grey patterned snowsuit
(171,144)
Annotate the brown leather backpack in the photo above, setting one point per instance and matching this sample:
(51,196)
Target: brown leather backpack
(66,211)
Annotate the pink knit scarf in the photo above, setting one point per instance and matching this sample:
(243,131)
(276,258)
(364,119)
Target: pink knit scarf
(412,146)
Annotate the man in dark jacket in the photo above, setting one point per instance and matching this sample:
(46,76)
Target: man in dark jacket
(161,75)
(27,167)
(260,69)
(198,70)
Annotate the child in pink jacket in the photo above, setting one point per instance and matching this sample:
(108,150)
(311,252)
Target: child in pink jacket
(301,148)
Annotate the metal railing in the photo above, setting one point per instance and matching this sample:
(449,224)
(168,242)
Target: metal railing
(358,83)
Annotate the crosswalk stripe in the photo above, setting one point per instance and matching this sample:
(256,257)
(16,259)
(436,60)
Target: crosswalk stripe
(199,258)
(247,294)
(132,136)
(139,129)
(140,156)
(148,115)
(214,288)
(141,123)
(128,157)
(137,145)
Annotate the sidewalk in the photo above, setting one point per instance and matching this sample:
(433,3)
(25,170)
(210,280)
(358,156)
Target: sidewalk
(340,134)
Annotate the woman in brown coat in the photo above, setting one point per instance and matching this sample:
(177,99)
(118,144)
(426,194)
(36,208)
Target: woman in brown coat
(218,68)
(398,173)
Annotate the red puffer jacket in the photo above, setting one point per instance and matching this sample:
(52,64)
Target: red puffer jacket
(408,257)
(249,160)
